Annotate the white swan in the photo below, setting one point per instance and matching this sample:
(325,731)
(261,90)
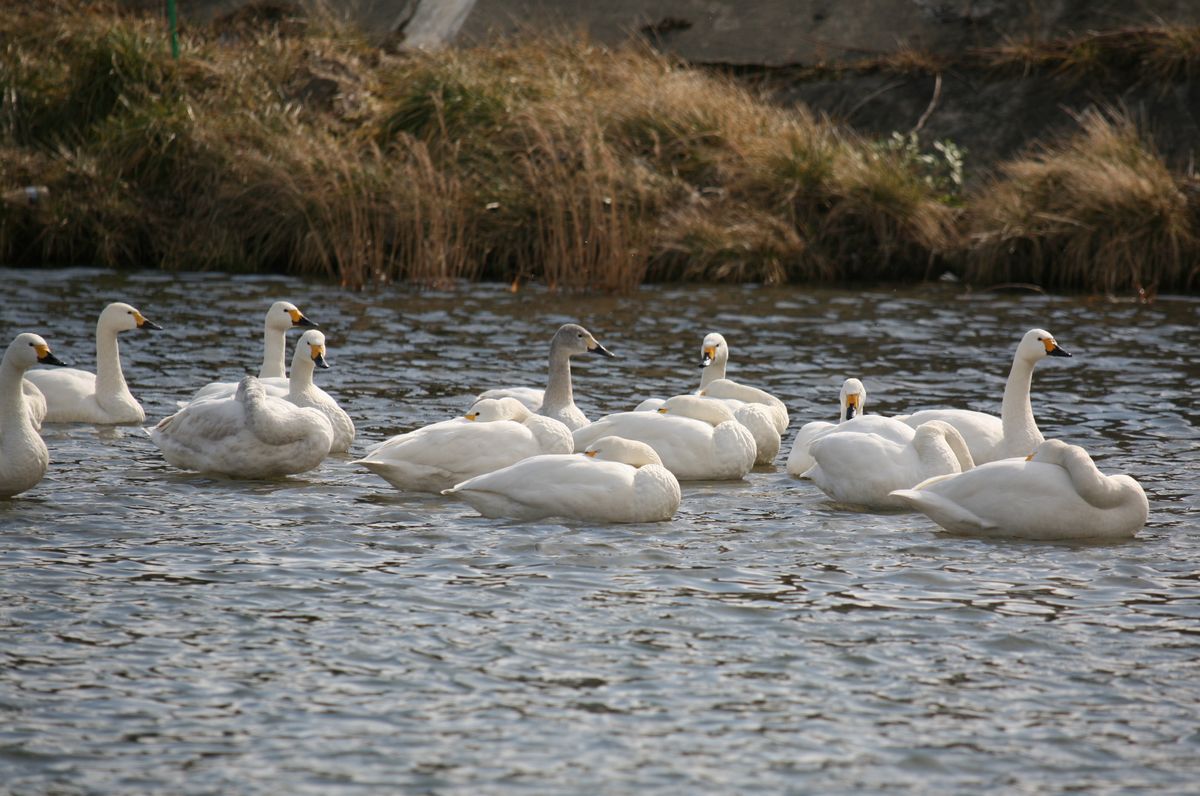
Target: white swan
(864,469)
(697,439)
(23,455)
(1015,432)
(495,433)
(557,401)
(103,397)
(282,316)
(250,435)
(757,418)
(853,401)
(714,355)
(1055,494)
(309,355)
(614,480)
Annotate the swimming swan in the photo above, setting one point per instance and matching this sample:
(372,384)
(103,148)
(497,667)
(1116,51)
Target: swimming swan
(557,401)
(282,316)
(714,355)
(1055,494)
(865,469)
(309,355)
(103,397)
(494,433)
(249,435)
(697,439)
(23,454)
(1015,432)
(614,480)
(853,401)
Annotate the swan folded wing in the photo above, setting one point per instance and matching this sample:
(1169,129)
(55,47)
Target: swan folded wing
(566,485)
(799,460)
(217,390)
(942,511)
(63,388)
(530,396)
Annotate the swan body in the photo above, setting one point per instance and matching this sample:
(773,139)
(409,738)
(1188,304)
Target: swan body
(696,438)
(1056,494)
(714,356)
(24,457)
(1015,432)
(865,469)
(495,433)
(853,400)
(557,401)
(757,419)
(282,316)
(77,396)
(613,480)
(249,435)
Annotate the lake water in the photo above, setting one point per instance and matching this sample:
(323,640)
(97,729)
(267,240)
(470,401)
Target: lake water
(166,632)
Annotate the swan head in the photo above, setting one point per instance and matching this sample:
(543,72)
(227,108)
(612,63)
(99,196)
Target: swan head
(123,317)
(713,349)
(490,410)
(285,315)
(1038,344)
(697,407)
(625,451)
(574,339)
(853,398)
(29,349)
(310,348)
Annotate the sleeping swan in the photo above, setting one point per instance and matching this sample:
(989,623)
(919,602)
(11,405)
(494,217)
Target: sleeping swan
(864,469)
(1057,493)
(614,480)
(23,455)
(1015,432)
(853,401)
(495,433)
(282,316)
(557,401)
(103,397)
(697,439)
(250,435)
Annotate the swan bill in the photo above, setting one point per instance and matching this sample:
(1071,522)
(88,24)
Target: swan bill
(44,357)
(1053,349)
(299,319)
(851,406)
(145,323)
(601,350)
(710,354)
(318,355)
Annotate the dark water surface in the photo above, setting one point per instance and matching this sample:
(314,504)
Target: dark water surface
(166,632)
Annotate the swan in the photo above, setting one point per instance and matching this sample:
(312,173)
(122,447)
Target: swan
(1056,493)
(249,435)
(494,433)
(614,480)
(864,469)
(309,355)
(714,355)
(697,439)
(557,401)
(1015,432)
(282,315)
(23,454)
(853,401)
(757,419)
(103,397)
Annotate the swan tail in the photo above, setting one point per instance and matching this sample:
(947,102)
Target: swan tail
(945,513)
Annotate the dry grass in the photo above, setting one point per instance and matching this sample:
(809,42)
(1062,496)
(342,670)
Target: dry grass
(283,142)
(1099,210)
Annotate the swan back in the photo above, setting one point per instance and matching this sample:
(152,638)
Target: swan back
(698,408)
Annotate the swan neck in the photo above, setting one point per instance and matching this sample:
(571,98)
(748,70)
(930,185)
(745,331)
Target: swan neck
(110,381)
(1016,413)
(274,342)
(14,417)
(715,370)
(301,380)
(1092,485)
(558,387)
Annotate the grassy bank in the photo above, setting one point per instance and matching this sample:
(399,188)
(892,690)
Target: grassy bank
(286,143)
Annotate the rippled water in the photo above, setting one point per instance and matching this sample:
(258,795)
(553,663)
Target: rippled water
(165,632)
